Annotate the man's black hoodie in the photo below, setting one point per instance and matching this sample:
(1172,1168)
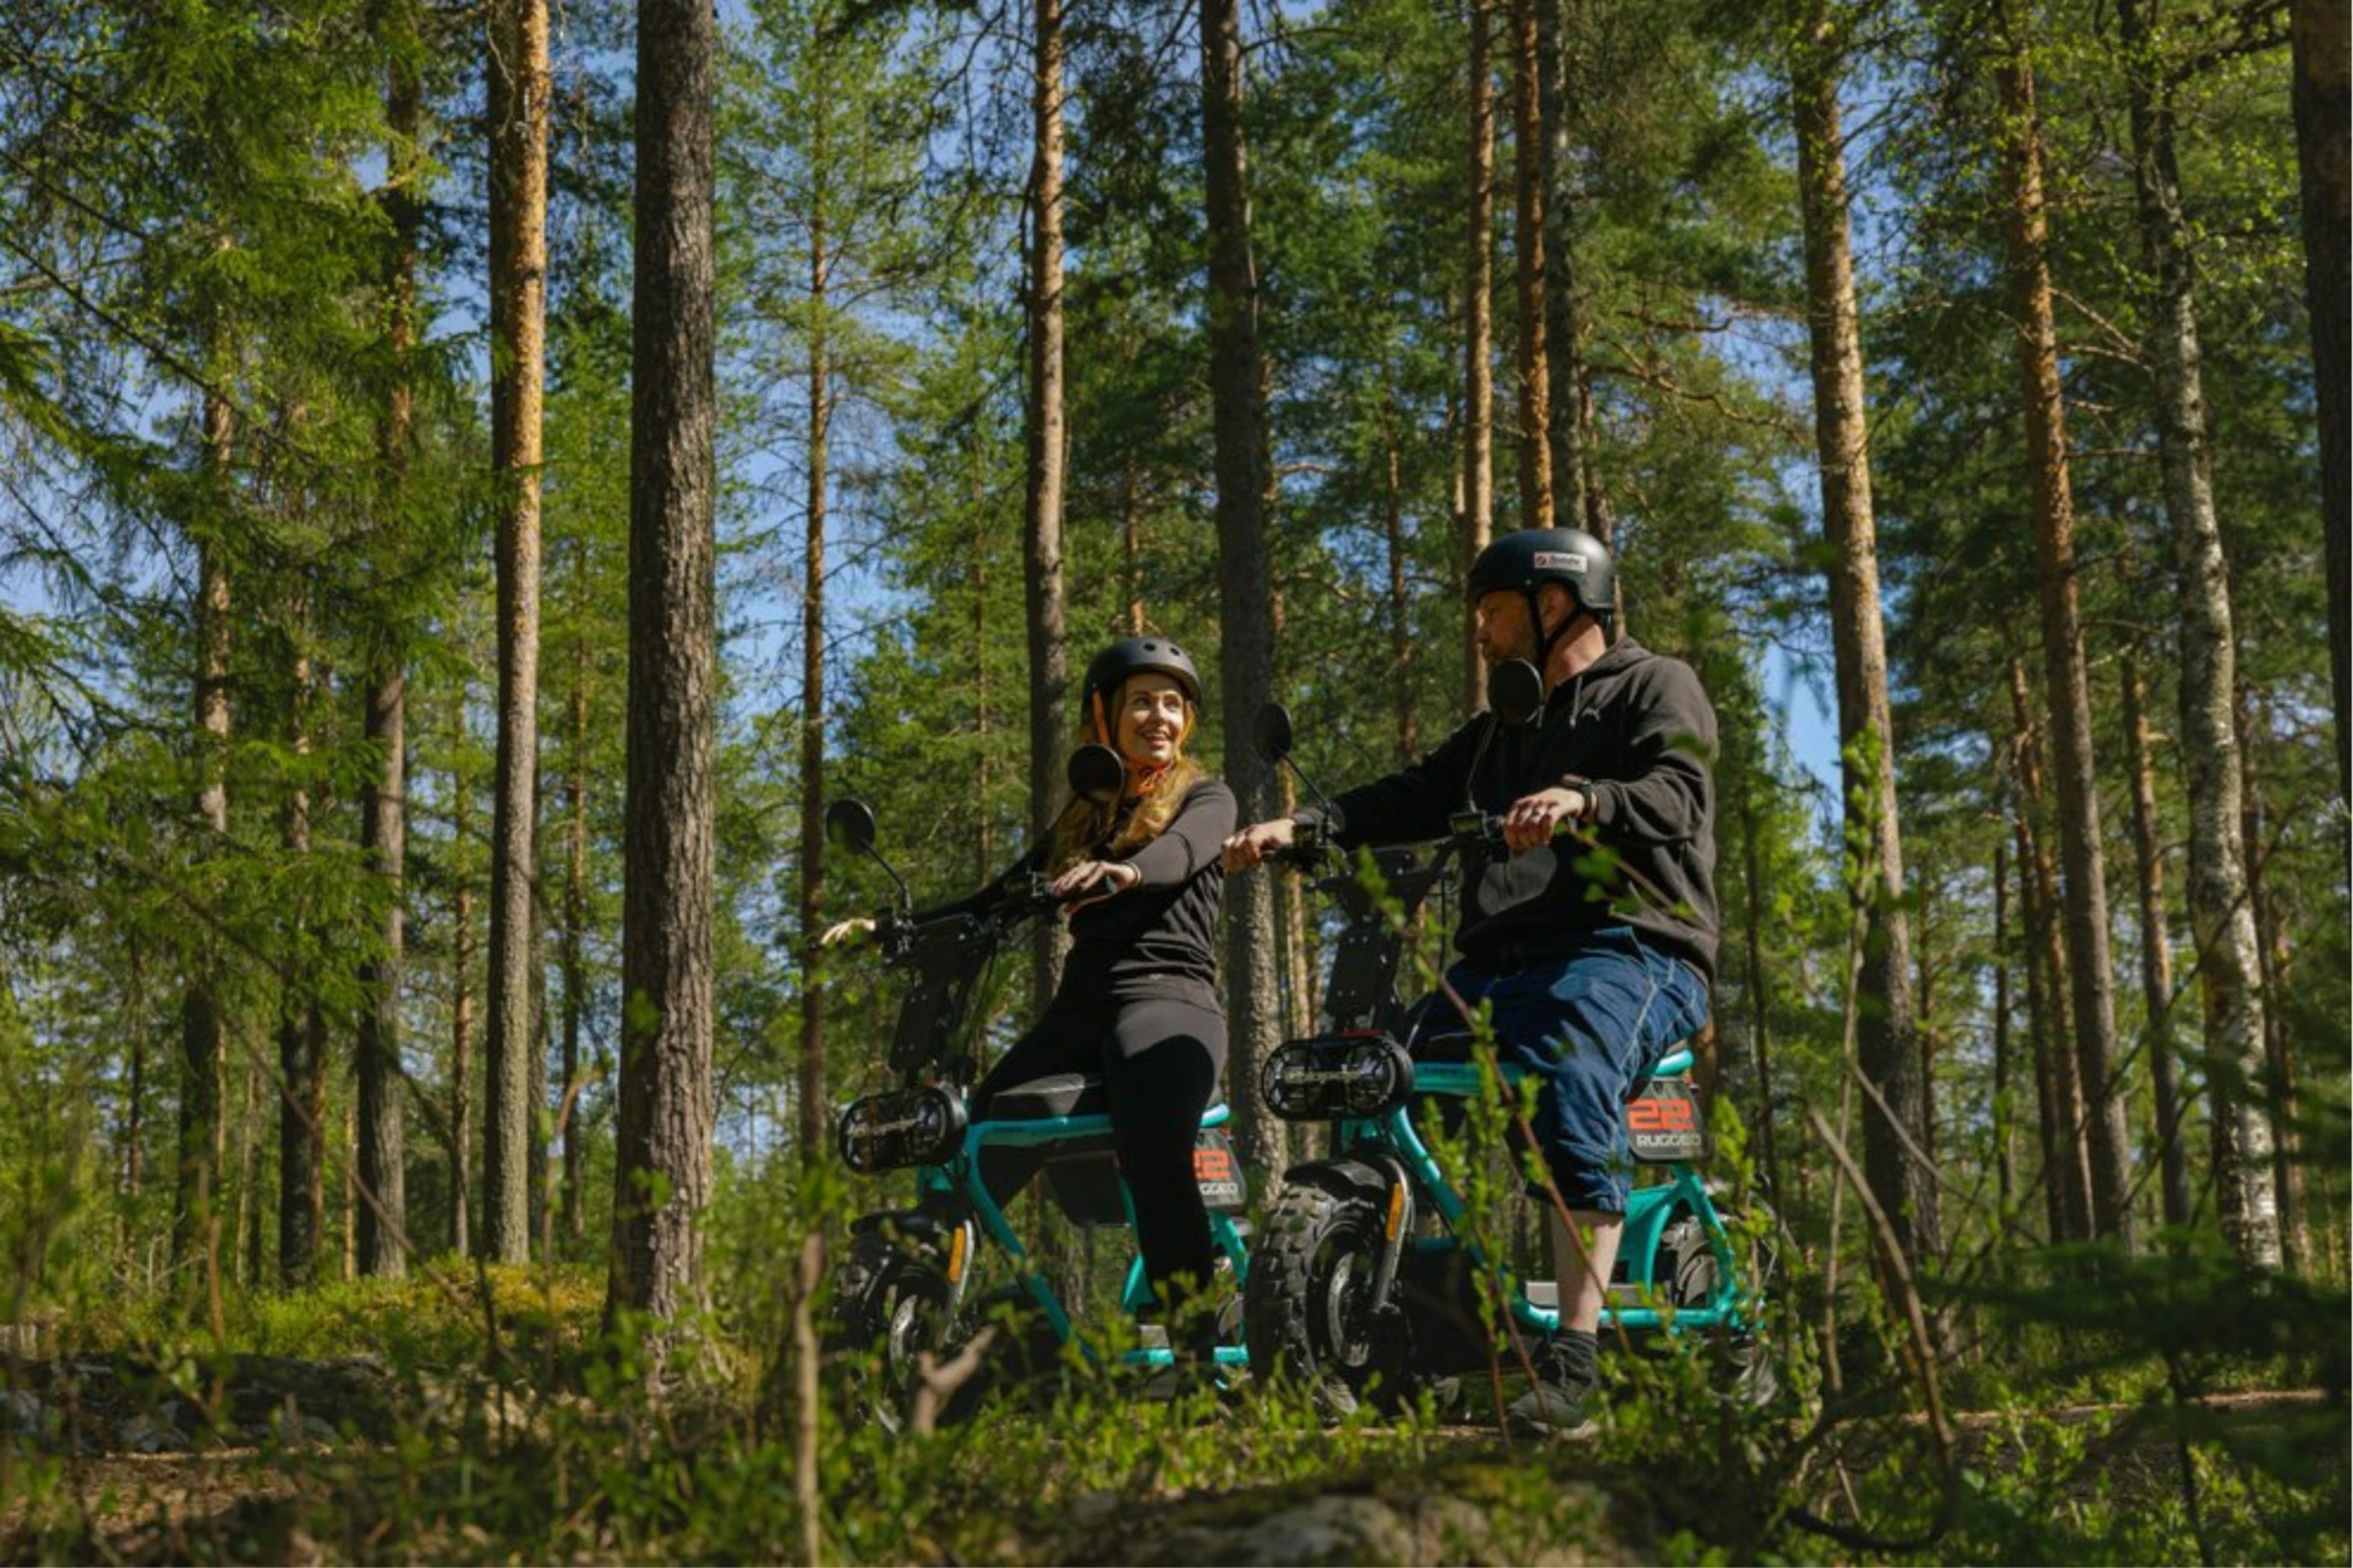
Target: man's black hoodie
(1636,733)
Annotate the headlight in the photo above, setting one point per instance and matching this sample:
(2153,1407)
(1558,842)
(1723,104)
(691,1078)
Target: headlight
(1341,1075)
(910,1127)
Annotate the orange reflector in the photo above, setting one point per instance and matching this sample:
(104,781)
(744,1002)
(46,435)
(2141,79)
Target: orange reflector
(957,1249)
(1397,1212)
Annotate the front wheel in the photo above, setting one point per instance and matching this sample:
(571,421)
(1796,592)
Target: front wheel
(1309,1311)
(888,1307)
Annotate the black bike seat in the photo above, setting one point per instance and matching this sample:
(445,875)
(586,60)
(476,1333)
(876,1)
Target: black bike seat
(1057,1094)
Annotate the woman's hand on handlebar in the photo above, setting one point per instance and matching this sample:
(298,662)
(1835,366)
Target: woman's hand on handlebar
(1535,818)
(1096,879)
(1253,845)
(842,931)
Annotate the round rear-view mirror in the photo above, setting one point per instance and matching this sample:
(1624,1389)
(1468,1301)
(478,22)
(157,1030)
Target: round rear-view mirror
(1097,774)
(1515,691)
(1272,731)
(849,823)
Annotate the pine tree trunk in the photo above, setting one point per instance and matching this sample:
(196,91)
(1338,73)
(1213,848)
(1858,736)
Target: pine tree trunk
(662,1176)
(461,995)
(2229,960)
(571,947)
(519,86)
(1048,451)
(2005,1144)
(2092,973)
(203,1030)
(384,798)
(2066,1166)
(1887,1042)
(1245,605)
(302,1150)
(1401,605)
(1760,1004)
(2323,97)
(2155,955)
(1478,339)
(1563,424)
(1528,236)
(811,1127)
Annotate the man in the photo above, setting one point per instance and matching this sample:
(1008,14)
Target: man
(1595,949)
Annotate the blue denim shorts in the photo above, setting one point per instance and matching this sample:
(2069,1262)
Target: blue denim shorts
(1590,1025)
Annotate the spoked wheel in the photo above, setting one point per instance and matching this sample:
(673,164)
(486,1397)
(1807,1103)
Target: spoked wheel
(1309,1308)
(1694,1277)
(889,1306)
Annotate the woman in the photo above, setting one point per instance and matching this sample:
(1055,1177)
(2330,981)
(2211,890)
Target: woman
(1137,1004)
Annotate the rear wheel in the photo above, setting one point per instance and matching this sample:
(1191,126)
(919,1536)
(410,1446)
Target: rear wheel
(1309,1308)
(1693,1276)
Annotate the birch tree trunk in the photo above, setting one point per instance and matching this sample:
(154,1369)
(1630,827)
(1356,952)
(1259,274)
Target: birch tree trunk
(518,118)
(662,1167)
(2091,971)
(1245,602)
(1888,1040)
(2220,914)
(2155,955)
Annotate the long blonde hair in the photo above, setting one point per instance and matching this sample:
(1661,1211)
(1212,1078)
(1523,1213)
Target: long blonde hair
(1080,831)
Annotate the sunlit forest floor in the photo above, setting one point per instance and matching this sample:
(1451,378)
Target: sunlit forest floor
(368,1424)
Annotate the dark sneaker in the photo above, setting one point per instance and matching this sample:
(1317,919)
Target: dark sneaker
(1551,1410)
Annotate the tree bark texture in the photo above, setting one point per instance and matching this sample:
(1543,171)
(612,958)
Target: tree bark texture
(1478,335)
(2156,954)
(1564,371)
(662,1176)
(1887,1041)
(519,86)
(2091,971)
(2005,1144)
(1528,236)
(1048,444)
(1245,601)
(2319,41)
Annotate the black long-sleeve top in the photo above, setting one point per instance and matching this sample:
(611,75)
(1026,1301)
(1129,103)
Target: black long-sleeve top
(1636,733)
(1159,938)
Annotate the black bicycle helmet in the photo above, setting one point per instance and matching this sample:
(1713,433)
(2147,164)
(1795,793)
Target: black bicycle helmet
(1523,562)
(1136,655)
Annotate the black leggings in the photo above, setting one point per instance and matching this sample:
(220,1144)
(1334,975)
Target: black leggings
(1159,1062)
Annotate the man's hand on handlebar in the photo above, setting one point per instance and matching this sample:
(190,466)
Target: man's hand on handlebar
(1253,845)
(1535,818)
(1096,879)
